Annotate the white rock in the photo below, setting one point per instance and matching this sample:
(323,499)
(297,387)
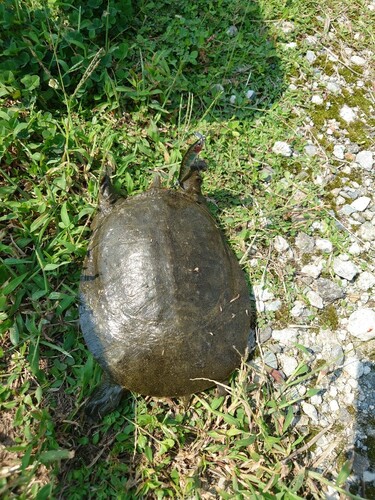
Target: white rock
(315,299)
(347,210)
(366,281)
(355,249)
(232,30)
(323,245)
(282,148)
(358,60)
(311,150)
(312,270)
(298,309)
(344,268)
(361,203)
(217,88)
(362,324)
(310,411)
(311,40)
(280,244)
(348,114)
(334,406)
(310,56)
(262,293)
(353,367)
(250,94)
(285,336)
(365,159)
(232,99)
(287,27)
(339,151)
(367,231)
(288,364)
(317,99)
(290,45)
(274,305)
(316,400)
(333,87)
(270,359)
(333,391)
(302,390)
(353,383)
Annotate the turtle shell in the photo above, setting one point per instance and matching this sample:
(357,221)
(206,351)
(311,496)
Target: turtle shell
(165,306)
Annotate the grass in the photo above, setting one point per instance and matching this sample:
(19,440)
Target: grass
(126,85)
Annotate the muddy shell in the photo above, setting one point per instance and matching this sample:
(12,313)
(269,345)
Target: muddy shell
(164,303)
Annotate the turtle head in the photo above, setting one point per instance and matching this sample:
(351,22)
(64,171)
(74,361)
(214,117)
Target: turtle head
(192,184)
(190,178)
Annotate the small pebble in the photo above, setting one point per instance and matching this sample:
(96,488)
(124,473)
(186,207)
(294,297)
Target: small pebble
(285,336)
(274,305)
(358,60)
(353,367)
(298,309)
(339,151)
(311,150)
(262,293)
(367,231)
(217,88)
(310,411)
(328,290)
(323,245)
(250,94)
(282,148)
(288,364)
(345,269)
(317,99)
(312,270)
(366,281)
(287,27)
(316,400)
(232,31)
(270,359)
(348,114)
(280,244)
(333,87)
(361,203)
(355,249)
(334,406)
(310,56)
(315,299)
(365,159)
(305,243)
(362,324)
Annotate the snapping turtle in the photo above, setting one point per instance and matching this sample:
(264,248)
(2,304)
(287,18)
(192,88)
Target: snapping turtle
(164,307)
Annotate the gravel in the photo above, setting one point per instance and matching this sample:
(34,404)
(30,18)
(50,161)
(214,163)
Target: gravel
(331,297)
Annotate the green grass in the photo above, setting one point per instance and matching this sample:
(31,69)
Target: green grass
(125,86)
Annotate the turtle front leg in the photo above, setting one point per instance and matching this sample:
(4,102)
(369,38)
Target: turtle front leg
(105,398)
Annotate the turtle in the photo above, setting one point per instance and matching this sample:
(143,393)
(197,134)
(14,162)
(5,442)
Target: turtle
(164,304)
